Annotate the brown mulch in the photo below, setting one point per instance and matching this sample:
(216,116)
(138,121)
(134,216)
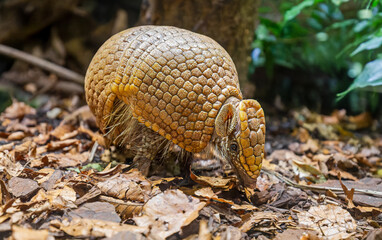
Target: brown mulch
(321,180)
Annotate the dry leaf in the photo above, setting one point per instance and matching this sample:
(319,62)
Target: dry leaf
(217,182)
(44,174)
(55,145)
(307,170)
(284,156)
(311,145)
(326,131)
(61,130)
(18,110)
(8,147)
(348,193)
(206,193)
(96,137)
(16,136)
(363,120)
(20,233)
(96,210)
(257,217)
(131,186)
(8,164)
(331,221)
(345,175)
(82,227)
(167,212)
(60,160)
(302,134)
(367,211)
(57,198)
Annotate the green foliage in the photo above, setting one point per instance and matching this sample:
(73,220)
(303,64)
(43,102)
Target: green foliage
(329,36)
(368,45)
(296,10)
(369,79)
(96,166)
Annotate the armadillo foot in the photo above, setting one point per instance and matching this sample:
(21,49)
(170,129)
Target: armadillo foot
(185,166)
(142,164)
(146,151)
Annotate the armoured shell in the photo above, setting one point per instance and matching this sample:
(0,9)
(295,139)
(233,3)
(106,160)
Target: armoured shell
(175,82)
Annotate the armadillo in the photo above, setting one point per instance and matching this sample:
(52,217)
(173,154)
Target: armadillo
(161,86)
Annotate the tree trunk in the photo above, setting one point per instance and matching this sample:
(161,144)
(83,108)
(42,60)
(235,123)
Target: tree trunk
(229,22)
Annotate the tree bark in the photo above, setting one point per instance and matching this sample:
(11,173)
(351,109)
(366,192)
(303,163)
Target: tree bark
(229,22)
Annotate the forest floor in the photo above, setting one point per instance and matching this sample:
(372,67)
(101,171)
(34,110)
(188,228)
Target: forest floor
(321,180)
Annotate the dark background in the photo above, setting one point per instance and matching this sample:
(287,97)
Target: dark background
(294,68)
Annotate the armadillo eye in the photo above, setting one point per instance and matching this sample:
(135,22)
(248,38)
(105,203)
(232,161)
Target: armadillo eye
(233,147)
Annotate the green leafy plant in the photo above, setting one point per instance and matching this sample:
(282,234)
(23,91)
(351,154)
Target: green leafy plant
(330,36)
(369,79)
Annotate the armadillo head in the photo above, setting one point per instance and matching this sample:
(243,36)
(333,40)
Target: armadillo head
(241,127)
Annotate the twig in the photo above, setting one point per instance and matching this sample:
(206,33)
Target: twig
(320,188)
(92,153)
(118,201)
(91,194)
(41,63)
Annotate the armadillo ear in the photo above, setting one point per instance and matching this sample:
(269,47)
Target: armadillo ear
(226,120)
